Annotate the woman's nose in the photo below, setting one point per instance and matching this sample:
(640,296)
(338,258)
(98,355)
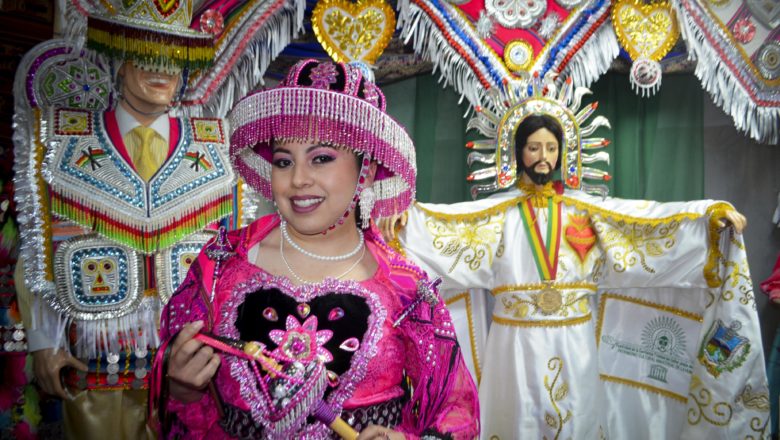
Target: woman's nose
(301,175)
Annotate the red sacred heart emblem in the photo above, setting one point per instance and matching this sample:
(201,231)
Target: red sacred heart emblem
(580,235)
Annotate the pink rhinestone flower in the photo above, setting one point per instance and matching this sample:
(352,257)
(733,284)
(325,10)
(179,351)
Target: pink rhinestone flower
(744,30)
(323,76)
(301,342)
(211,22)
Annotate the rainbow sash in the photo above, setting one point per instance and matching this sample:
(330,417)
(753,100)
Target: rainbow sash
(546,257)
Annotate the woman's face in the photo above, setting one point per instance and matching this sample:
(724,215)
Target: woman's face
(541,151)
(313,184)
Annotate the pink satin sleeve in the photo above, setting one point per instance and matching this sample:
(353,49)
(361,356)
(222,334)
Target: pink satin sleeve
(444,398)
(187,305)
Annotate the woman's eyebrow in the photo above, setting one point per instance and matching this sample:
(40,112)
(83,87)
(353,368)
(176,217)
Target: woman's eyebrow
(315,146)
(277,149)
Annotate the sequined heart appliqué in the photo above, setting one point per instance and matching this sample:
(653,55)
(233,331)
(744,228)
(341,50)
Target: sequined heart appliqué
(580,236)
(645,30)
(353,31)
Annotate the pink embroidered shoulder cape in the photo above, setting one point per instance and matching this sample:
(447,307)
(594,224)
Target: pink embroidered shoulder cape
(422,351)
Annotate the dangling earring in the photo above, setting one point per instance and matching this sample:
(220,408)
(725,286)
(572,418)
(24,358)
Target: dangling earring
(367,200)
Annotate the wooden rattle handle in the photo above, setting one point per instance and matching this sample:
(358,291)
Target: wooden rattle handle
(340,427)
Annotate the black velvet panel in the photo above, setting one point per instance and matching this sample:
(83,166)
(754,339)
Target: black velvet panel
(253,326)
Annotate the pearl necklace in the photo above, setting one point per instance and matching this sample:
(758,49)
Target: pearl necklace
(301,280)
(297,247)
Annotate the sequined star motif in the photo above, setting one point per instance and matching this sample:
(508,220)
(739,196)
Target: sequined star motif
(485,26)
(548,25)
(301,342)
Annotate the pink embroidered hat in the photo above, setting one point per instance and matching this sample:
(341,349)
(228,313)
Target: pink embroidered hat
(335,104)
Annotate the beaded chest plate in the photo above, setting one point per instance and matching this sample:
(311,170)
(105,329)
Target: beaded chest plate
(94,185)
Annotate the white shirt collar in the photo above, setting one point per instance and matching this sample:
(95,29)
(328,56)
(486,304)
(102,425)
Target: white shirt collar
(127,122)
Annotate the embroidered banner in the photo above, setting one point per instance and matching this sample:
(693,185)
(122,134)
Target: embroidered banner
(647,345)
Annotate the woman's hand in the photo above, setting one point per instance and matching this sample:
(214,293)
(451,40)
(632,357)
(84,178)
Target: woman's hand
(192,364)
(734,218)
(375,432)
(46,367)
(390,225)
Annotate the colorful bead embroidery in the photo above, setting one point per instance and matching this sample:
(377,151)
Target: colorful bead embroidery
(91,157)
(72,122)
(207,130)
(198,161)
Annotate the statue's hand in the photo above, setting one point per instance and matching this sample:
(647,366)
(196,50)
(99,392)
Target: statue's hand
(391,225)
(734,218)
(47,366)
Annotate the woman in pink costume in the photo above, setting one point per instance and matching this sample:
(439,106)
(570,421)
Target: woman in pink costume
(314,286)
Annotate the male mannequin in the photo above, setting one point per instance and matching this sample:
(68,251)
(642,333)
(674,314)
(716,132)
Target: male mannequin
(127,192)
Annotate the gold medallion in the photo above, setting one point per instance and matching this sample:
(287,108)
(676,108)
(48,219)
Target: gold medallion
(549,300)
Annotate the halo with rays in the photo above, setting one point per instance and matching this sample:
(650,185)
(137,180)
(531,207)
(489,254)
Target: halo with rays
(536,96)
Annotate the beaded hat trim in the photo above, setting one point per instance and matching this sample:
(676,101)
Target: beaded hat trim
(152,33)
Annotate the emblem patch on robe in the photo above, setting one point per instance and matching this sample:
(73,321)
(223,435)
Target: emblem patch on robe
(580,235)
(652,350)
(723,348)
(72,122)
(207,130)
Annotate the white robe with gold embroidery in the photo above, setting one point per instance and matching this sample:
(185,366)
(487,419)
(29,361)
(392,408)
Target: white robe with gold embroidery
(657,335)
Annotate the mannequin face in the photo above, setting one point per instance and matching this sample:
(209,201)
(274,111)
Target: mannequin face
(148,91)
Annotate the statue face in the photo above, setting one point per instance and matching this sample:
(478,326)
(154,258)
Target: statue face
(146,89)
(541,151)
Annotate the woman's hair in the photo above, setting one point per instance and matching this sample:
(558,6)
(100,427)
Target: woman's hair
(528,127)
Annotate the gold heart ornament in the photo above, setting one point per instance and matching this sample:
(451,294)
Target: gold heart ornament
(353,31)
(645,30)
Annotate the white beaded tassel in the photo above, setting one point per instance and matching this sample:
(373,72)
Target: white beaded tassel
(367,200)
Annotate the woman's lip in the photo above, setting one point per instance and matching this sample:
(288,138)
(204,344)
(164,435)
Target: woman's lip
(303,209)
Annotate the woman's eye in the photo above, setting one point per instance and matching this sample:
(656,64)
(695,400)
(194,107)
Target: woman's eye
(323,158)
(282,163)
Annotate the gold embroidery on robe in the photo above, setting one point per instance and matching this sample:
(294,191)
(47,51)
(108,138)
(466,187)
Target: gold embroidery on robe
(470,242)
(701,407)
(629,244)
(556,392)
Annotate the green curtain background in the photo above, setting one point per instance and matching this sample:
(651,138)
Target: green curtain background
(657,150)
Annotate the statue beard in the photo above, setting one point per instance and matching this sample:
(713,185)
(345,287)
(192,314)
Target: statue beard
(538,178)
